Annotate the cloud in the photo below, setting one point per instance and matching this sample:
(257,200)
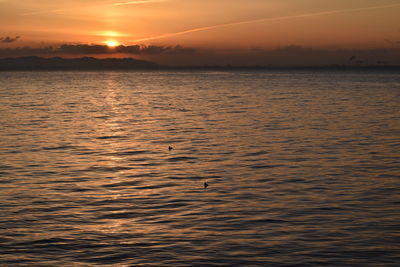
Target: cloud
(8,39)
(137,2)
(223,25)
(130,49)
(392,42)
(154,50)
(93,49)
(49,11)
(291,55)
(42,12)
(25,51)
(82,49)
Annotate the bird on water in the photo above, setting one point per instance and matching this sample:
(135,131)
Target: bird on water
(170,148)
(205,185)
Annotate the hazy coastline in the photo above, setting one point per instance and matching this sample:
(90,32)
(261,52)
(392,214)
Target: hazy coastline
(34,63)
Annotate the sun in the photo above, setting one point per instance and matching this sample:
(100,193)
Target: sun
(112,43)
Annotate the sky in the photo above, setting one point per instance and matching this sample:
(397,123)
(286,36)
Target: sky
(238,32)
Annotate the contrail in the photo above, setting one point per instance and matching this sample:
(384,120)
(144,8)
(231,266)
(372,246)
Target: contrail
(42,12)
(112,4)
(206,28)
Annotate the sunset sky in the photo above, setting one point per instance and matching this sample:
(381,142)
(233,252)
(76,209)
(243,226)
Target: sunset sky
(212,27)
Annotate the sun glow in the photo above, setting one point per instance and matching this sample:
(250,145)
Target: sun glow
(112,43)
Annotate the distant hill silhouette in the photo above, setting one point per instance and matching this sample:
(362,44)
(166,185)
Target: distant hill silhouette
(84,63)
(32,63)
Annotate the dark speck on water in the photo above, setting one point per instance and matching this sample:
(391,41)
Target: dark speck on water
(304,167)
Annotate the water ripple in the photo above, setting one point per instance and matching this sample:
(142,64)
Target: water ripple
(301,167)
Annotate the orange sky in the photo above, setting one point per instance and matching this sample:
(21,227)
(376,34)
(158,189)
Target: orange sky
(206,24)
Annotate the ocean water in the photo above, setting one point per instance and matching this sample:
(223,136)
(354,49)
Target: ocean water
(303,168)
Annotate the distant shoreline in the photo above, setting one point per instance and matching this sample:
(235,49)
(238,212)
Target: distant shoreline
(33,63)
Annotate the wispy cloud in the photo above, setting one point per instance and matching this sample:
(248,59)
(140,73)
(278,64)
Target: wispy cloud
(137,2)
(40,12)
(321,13)
(8,39)
(109,34)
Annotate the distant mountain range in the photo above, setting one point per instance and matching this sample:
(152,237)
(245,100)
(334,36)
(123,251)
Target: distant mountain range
(84,63)
(32,63)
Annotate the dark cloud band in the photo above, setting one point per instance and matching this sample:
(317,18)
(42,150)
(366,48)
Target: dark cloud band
(8,39)
(84,49)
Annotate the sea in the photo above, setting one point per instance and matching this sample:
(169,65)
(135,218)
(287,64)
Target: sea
(302,168)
